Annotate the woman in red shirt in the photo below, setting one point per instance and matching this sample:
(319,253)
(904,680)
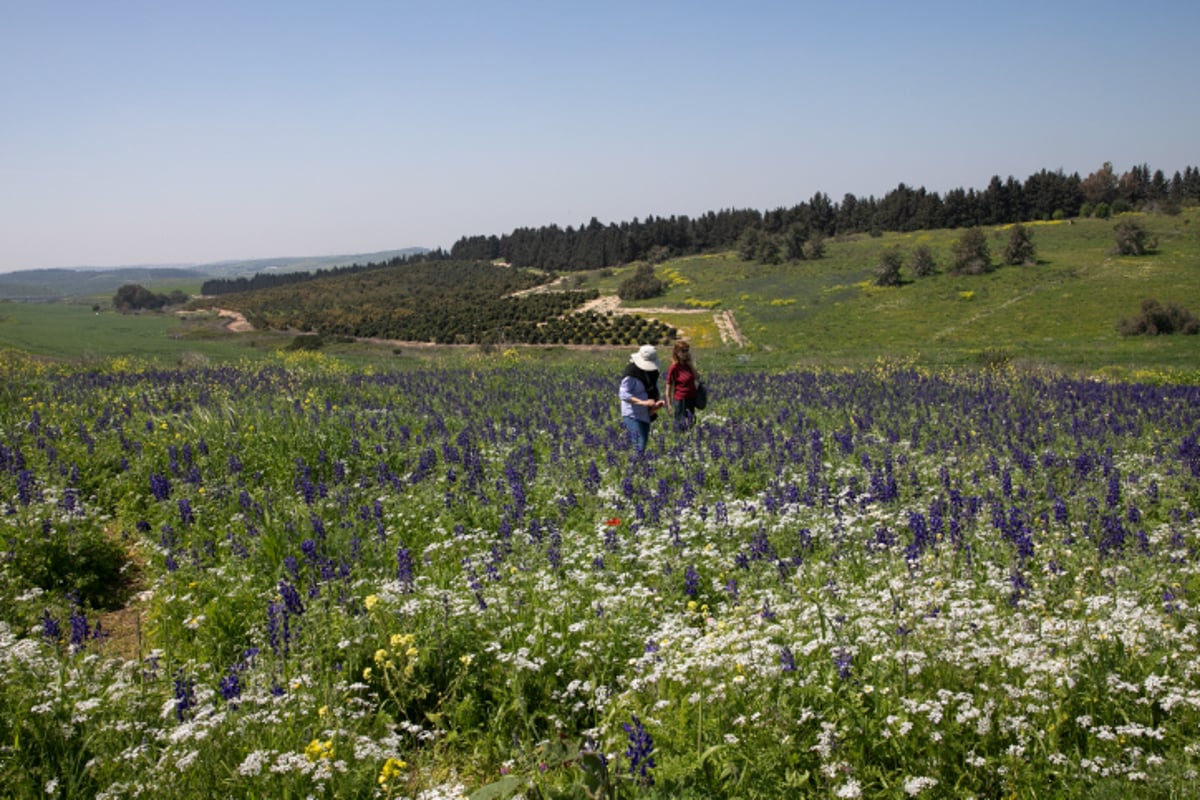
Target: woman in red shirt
(681,386)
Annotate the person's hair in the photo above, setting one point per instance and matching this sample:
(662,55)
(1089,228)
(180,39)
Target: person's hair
(681,353)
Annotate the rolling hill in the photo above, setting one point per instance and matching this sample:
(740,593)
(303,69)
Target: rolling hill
(45,285)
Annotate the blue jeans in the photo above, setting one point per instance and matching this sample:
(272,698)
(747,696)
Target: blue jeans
(639,432)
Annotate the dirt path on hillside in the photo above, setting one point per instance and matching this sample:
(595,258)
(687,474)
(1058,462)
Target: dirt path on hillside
(726,323)
(728,328)
(237,321)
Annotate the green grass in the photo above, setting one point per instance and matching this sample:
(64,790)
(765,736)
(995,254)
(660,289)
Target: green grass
(1061,313)
(76,331)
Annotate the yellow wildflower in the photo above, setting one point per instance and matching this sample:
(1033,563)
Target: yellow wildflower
(317,750)
(393,768)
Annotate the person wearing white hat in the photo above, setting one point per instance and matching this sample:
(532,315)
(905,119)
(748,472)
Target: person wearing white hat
(639,395)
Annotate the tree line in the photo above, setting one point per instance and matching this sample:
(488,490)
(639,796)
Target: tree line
(802,228)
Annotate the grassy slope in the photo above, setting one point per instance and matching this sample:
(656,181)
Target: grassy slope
(1062,312)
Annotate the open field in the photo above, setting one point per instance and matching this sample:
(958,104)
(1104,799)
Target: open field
(1061,313)
(297,577)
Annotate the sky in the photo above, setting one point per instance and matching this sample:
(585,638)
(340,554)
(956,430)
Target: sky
(136,133)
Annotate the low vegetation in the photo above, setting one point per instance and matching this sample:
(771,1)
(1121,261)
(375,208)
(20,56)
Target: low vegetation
(1160,319)
(453,582)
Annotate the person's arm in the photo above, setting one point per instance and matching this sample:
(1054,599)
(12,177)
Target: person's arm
(629,395)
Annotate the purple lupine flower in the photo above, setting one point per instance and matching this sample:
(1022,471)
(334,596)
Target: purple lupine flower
(50,627)
(787,661)
(80,630)
(309,548)
(691,582)
(291,598)
(1168,600)
(231,685)
(186,517)
(185,695)
(26,487)
(843,660)
(275,624)
(640,751)
(404,568)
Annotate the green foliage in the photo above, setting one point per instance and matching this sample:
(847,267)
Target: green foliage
(134,297)
(1158,319)
(815,247)
(642,285)
(307,342)
(887,273)
(970,254)
(1132,239)
(74,559)
(484,588)
(1019,249)
(922,264)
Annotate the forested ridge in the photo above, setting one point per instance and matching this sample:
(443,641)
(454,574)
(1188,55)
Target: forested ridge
(1043,196)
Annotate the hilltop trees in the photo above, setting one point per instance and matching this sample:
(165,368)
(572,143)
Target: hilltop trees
(795,232)
(135,297)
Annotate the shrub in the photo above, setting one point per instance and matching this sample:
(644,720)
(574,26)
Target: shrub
(84,563)
(970,253)
(887,273)
(1132,239)
(922,264)
(1020,248)
(814,248)
(642,285)
(1156,319)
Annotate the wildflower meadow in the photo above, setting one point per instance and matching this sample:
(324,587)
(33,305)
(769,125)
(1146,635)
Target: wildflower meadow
(300,578)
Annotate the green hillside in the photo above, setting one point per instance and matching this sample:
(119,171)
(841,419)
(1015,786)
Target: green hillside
(1062,312)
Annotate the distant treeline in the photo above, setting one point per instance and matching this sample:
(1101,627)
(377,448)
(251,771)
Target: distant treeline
(272,280)
(1044,195)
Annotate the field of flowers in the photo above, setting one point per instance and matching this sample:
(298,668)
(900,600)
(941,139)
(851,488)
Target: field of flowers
(303,579)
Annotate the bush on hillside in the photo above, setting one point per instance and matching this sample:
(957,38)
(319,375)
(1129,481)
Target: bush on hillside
(134,297)
(641,286)
(922,263)
(1156,319)
(1020,249)
(1133,239)
(887,273)
(970,254)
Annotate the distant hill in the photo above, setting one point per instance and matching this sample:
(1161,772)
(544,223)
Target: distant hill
(46,285)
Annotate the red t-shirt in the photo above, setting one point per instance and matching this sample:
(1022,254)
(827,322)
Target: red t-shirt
(683,379)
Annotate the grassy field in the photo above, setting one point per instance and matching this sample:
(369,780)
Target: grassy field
(1060,313)
(76,331)
(1063,311)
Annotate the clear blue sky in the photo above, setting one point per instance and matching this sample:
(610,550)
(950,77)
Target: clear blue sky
(169,132)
